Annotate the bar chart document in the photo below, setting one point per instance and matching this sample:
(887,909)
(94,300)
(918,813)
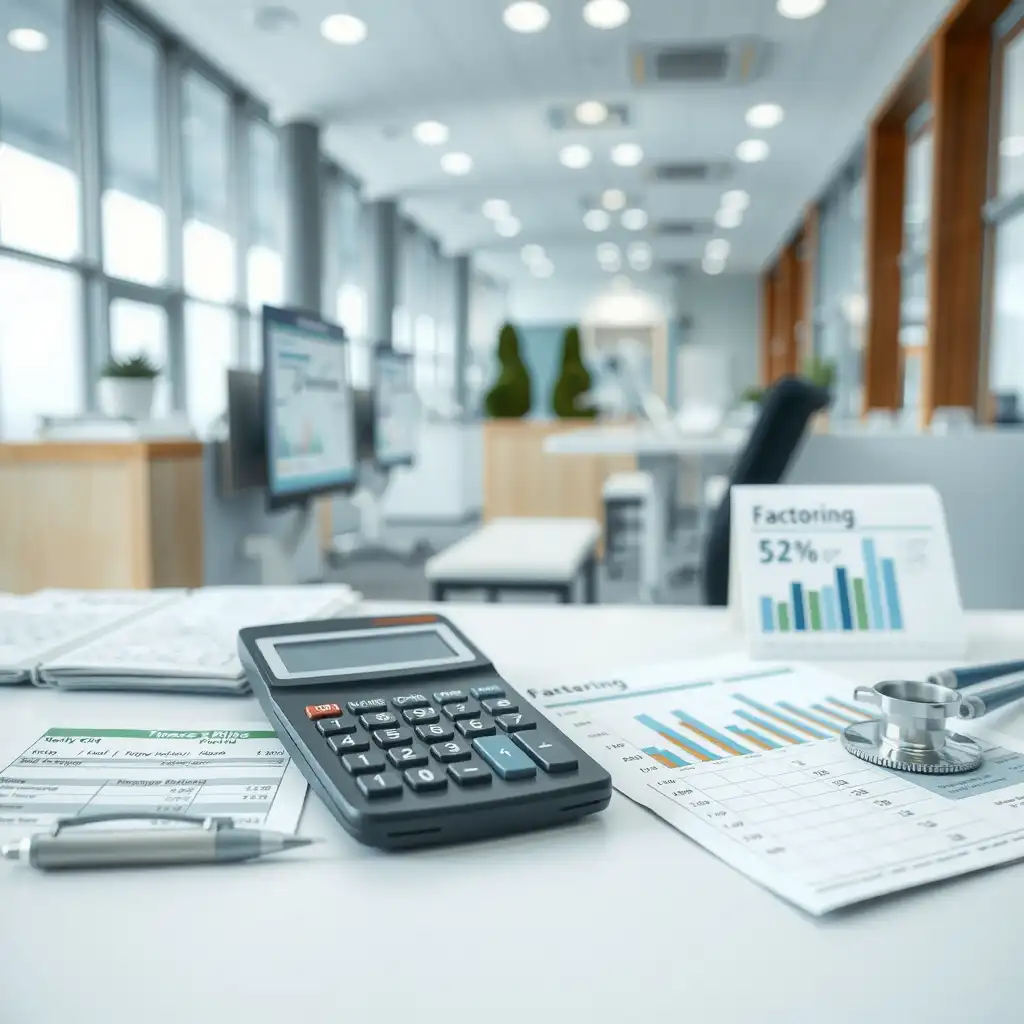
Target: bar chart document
(744,758)
(241,773)
(846,571)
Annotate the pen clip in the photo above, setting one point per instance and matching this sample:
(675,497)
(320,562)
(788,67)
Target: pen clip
(212,823)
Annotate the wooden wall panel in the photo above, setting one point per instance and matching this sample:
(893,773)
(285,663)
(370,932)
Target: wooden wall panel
(885,185)
(766,361)
(961,80)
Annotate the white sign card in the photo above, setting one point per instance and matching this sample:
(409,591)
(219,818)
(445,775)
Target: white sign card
(833,572)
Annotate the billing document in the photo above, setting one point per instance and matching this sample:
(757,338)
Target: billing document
(744,757)
(241,773)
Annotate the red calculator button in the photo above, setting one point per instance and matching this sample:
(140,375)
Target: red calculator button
(315,711)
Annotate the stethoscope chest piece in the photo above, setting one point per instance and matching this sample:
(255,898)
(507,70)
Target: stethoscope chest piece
(910,734)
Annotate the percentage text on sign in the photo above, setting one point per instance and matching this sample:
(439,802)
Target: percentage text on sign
(786,552)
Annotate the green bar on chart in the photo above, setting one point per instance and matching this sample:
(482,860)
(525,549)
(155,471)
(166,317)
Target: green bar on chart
(783,617)
(815,602)
(860,600)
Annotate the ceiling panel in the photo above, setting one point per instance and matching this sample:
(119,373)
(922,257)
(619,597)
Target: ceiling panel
(453,60)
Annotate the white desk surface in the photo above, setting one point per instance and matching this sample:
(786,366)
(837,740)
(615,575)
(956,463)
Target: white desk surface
(614,920)
(647,440)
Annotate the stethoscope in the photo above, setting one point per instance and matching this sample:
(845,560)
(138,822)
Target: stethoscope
(911,733)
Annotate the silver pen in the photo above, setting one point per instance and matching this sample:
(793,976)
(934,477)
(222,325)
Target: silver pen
(214,841)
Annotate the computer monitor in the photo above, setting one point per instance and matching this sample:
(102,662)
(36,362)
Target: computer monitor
(244,463)
(308,408)
(396,408)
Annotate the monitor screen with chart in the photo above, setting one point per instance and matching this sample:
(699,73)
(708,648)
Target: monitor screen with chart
(308,408)
(396,407)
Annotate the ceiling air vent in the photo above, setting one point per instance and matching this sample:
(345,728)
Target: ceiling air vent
(690,171)
(730,62)
(682,228)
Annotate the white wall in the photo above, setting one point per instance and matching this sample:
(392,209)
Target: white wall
(565,301)
(724,312)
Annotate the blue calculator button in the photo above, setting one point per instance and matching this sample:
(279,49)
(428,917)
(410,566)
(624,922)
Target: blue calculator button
(505,757)
(481,692)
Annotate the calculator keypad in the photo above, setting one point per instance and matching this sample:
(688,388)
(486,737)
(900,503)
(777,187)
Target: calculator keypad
(417,745)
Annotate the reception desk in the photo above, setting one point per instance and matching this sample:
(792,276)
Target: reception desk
(104,514)
(521,480)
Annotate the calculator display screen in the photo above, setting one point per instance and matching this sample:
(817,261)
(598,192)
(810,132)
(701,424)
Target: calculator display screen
(365,652)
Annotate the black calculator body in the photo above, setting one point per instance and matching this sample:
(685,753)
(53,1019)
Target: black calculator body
(410,736)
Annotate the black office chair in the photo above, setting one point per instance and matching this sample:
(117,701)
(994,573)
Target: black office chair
(785,413)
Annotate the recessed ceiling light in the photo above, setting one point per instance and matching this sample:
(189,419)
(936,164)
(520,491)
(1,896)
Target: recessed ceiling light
(575,157)
(542,268)
(611,265)
(717,249)
(1012,146)
(735,199)
(431,133)
(639,250)
(526,16)
(591,112)
(800,8)
(712,267)
(729,217)
(634,220)
(532,253)
(606,14)
(753,151)
(596,220)
(640,256)
(765,115)
(607,251)
(627,154)
(613,199)
(496,209)
(457,163)
(28,40)
(509,227)
(343,29)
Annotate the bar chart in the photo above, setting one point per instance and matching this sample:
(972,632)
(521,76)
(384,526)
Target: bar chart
(749,725)
(865,599)
(843,569)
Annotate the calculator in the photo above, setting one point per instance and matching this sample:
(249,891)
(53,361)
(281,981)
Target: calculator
(409,734)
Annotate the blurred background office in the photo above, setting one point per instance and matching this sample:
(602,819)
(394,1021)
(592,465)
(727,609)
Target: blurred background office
(599,232)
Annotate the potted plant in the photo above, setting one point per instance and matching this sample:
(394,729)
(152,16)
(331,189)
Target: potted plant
(574,381)
(511,396)
(127,387)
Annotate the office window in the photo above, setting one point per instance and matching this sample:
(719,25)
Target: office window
(425,355)
(138,328)
(38,184)
(1006,363)
(917,212)
(134,223)
(265,264)
(42,367)
(208,251)
(351,314)
(1011,136)
(209,354)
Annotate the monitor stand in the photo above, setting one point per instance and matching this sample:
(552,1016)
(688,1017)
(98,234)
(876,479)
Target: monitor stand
(276,554)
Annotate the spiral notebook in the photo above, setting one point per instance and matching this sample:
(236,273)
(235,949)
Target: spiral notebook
(148,640)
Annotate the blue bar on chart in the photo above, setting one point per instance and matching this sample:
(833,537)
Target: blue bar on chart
(799,619)
(767,615)
(829,610)
(683,742)
(818,720)
(756,738)
(770,727)
(845,615)
(876,613)
(787,720)
(665,757)
(892,594)
(705,732)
